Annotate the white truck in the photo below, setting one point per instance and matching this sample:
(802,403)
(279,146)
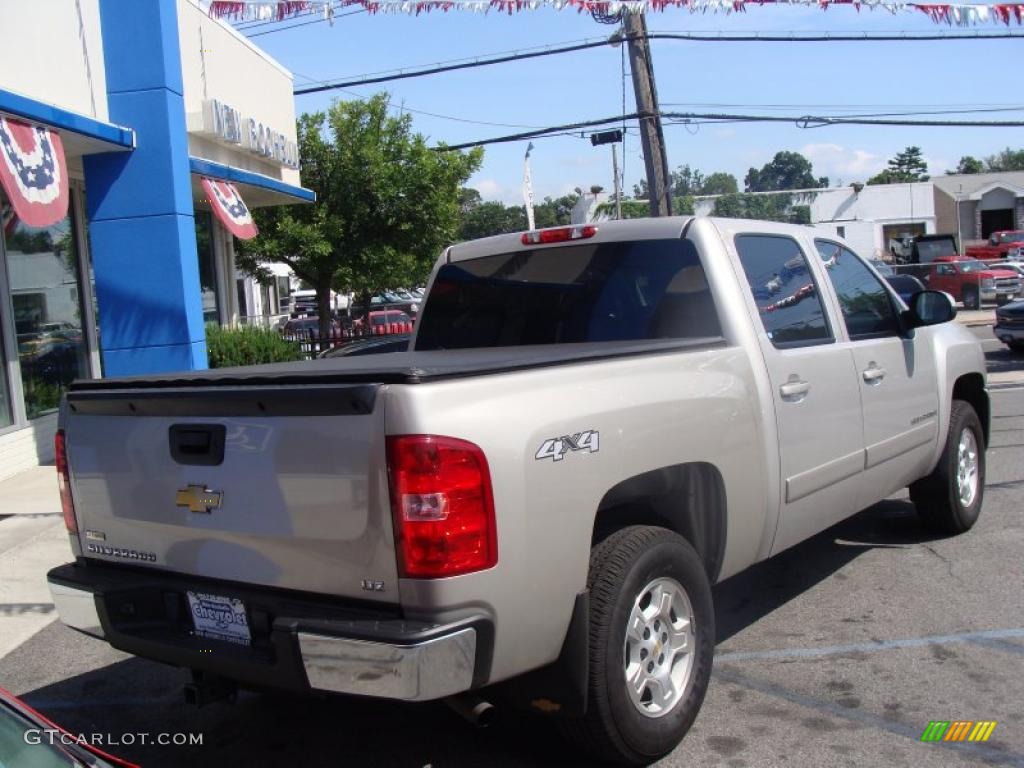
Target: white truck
(592,426)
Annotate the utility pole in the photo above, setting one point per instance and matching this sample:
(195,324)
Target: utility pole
(616,183)
(651,137)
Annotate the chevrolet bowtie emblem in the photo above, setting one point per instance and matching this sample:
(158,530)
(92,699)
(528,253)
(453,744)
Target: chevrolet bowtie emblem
(199,498)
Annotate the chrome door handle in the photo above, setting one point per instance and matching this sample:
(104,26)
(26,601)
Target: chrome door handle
(873,374)
(794,390)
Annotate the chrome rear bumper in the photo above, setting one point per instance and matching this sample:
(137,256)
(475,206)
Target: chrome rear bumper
(422,671)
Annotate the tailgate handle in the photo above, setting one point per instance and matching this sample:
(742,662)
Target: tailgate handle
(199,445)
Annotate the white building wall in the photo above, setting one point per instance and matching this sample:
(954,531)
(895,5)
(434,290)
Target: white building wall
(52,51)
(219,63)
(863,214)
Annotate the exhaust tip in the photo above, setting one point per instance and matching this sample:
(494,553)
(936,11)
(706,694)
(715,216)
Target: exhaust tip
(473,709)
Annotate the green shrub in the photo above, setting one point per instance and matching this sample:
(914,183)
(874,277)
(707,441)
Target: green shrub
(247,345)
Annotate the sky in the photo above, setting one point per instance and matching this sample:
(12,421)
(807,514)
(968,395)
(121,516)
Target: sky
(829,78)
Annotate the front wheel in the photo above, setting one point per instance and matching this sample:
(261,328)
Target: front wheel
(651,644)
(949,499)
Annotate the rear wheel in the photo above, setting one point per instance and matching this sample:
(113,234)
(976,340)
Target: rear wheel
(651,645)
(949,499)
(972,299)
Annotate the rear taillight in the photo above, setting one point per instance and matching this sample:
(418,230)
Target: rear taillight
(443,506)
(64,481)
(558,235)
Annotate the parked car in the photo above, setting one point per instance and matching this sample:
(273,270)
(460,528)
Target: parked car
(374,345)
(596,423)
(905,285)
(29,739)
(1013,266)
(998,247)
(1009,326)
(924,249)
(972,282)
(307,327)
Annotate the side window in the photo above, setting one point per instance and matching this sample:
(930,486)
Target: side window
(945,269)
(867,306)
(784,289)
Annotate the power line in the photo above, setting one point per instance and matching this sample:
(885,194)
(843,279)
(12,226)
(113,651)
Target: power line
(690,118)
(458,64)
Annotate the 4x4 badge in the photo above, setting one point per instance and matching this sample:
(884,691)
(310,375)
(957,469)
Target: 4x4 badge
(556,447)
(199,498)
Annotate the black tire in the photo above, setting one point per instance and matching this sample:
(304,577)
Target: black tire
(972,299)
(614,729)
(1016,346)
(936,497)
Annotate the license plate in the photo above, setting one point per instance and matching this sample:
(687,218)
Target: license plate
(219,618)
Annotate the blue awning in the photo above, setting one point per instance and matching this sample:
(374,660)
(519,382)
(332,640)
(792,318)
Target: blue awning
(258,190)
(81,135)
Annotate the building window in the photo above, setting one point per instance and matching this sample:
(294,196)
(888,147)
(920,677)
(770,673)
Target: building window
(207,266)
(46,307)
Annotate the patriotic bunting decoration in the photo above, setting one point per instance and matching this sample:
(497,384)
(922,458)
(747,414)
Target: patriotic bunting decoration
(957,14)
(229,207)
(262,9)
(33,172)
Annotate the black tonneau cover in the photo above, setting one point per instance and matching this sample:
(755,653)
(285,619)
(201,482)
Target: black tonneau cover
(397,367)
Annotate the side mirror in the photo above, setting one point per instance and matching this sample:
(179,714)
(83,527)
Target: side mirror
(930,308)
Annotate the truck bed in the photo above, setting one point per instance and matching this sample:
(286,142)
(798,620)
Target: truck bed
(393,368)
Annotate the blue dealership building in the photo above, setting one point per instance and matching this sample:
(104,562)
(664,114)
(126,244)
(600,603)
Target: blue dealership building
(148,98)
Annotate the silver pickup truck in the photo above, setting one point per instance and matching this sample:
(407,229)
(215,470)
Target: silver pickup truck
(592,426)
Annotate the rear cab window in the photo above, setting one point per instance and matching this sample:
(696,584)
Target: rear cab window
(784,290)
(617,291)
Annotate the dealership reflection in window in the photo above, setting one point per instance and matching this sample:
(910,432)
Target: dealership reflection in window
(42,266)
(207,266)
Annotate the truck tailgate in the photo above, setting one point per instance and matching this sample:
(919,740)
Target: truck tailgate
(278,486)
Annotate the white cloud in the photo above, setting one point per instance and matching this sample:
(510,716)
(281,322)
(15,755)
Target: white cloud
(838,162)
(725,133)
(489,189)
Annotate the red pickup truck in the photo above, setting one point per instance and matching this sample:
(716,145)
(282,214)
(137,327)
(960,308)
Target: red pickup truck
(1001,245)
(972,281)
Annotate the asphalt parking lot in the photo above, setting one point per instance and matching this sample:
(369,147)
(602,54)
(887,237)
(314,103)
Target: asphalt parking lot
(838,652)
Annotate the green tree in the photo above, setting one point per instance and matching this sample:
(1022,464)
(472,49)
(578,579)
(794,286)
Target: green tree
(689,182)
(907,166)
(787,170)
(492,218)
(969,164)
(553,211)
(386,204)
(719,184)
(777,207)
(1007,160)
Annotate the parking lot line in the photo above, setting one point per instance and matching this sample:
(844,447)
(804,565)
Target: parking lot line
(984,751)
(880,645)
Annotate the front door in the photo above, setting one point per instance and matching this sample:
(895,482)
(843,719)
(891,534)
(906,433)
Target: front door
(896,376)
(814,386)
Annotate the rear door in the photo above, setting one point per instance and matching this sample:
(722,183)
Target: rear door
(896,376)
(814,386)
(282,486)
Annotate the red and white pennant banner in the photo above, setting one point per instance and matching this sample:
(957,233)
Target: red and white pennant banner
(229,208)
(33,172)
(960,14)
(268,9)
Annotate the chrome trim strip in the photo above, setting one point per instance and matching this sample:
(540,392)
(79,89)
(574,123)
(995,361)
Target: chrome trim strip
(429,670)
(77,609)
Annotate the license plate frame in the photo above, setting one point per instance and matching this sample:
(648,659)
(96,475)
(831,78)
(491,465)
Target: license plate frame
(219,617)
